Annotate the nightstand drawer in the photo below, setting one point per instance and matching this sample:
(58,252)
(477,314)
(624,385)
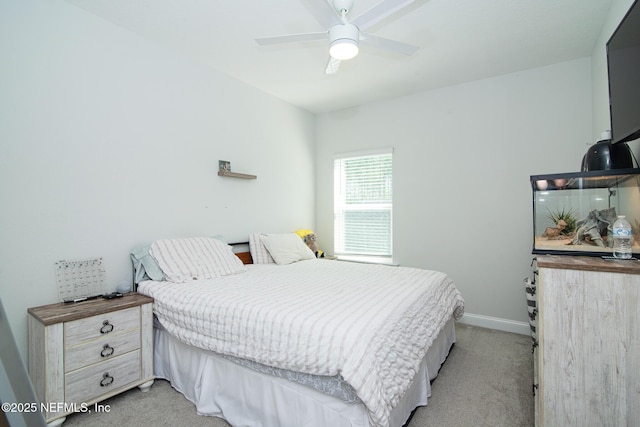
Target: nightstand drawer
(106,347)
(101,325)
(84,384)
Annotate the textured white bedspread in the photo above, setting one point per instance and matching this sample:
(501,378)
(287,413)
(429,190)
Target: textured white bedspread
(371,324)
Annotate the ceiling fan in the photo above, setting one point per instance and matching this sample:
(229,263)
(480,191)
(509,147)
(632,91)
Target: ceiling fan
(346,35)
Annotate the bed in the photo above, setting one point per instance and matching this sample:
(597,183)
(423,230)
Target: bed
(285,339)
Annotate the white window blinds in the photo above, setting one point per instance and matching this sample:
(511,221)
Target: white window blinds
(363,205)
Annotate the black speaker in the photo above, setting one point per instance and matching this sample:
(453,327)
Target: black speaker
(603,155)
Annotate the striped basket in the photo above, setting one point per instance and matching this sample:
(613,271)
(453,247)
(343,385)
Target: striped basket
(530,291)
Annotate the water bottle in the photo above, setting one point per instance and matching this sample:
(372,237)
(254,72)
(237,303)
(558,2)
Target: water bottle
(622,238)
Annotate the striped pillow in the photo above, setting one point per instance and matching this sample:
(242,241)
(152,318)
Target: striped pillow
(195,258)
(259,252)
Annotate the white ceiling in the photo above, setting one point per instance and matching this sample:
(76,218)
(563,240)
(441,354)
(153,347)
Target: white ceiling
(459,40)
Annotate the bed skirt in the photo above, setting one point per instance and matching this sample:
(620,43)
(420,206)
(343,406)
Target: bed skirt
(246,398)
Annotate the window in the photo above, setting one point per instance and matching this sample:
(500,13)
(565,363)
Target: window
(362,201)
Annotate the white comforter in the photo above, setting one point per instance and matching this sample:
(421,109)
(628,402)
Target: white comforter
(371,324)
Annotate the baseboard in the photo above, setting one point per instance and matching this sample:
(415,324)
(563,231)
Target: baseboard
(496,323)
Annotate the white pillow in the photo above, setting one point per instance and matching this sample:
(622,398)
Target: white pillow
(286,248)
(259,252)
(195,258)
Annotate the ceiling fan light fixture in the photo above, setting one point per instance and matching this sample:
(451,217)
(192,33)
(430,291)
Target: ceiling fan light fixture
(344,36)
(343,41)
(343,49)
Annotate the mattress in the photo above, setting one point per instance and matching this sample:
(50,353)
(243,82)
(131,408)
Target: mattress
(369,324)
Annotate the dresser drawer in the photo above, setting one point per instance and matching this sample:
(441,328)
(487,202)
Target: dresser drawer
(101,325)
(85,384)
(106,347)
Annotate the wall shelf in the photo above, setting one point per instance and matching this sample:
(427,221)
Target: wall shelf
(236,175)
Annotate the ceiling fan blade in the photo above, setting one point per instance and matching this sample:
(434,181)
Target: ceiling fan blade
(291,38)
(323,11)
(388,44)
(332,66)
(379,12)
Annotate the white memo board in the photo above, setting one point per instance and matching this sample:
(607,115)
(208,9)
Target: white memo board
(82,278)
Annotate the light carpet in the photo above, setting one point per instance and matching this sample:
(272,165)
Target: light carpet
(486,381)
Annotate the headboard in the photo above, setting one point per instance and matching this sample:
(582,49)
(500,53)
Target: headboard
(245,257)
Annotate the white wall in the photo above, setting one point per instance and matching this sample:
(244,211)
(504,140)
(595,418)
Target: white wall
(462,161)
(108,141)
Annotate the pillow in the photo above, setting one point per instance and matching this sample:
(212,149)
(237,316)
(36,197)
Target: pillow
(259,252)
(195,258)
(144,265)
(286,248)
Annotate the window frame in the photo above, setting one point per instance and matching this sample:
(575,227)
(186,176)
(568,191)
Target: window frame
(341,206)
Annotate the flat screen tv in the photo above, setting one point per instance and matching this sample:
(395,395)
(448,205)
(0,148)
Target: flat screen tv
(623,61)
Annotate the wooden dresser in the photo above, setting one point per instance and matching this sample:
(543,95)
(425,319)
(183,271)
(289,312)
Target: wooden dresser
(82,353)
(588,355)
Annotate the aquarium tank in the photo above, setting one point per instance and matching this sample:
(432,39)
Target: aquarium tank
(573,213)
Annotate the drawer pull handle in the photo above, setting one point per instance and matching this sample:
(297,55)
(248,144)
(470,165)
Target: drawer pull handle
(107,351)
(106,327)
(106,380)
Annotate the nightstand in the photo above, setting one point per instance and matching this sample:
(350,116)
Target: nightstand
(82,353)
